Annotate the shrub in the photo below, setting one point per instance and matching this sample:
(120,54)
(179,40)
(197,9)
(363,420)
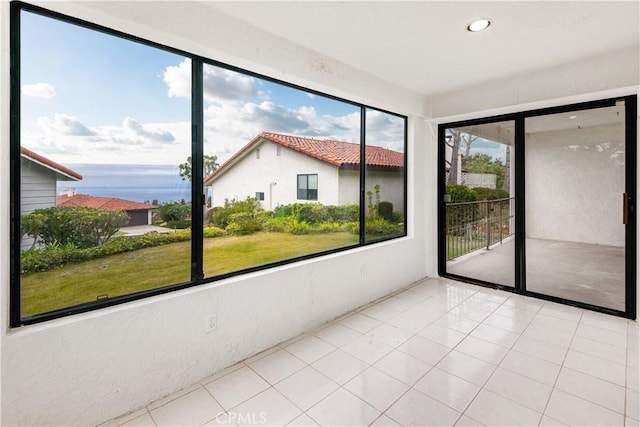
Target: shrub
(380,227)
(297,227)
(221,216)
(243,223)
(461,193)
(371,206)
(282,211)
(179,224)
(213,232)
(311,213)
(385,210)
(314,213)
(344,213)
(328,227)
(351,227)
(78,226)
(174,212)
(278,224)
(490,193)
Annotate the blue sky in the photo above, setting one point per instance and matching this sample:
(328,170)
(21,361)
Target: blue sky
(88,97)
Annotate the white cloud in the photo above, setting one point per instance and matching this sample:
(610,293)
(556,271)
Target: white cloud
(385,130)
(227,85)
(229,127)
(66,139)
(178,79)
(64,125)
(39,90)
(140,131)
(220,85)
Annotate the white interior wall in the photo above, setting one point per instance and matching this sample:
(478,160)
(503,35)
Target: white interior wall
(613,74)
(575,181)
(90,367)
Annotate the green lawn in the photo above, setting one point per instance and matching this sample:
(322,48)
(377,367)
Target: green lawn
(164,265)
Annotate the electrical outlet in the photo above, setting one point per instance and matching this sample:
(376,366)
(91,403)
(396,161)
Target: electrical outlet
(211,322)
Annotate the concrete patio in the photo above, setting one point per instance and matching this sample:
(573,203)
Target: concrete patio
(592,274)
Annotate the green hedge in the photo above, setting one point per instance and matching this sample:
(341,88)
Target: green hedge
(461,193)
(490,193)
(53,256)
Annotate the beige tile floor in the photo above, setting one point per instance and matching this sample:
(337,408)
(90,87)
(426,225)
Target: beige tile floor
(437,353)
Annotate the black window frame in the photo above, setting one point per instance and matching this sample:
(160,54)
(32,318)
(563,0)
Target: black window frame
(198,197)
(308,196)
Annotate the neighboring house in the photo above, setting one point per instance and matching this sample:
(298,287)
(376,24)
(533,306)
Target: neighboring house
(281,169)
(139,213)
(38,178)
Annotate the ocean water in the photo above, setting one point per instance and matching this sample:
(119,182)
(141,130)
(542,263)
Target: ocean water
(139,183)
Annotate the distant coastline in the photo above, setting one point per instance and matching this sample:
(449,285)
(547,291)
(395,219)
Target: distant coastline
(139,183)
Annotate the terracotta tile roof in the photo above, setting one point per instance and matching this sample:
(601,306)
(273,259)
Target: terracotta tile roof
(337,153)
(56,167)
(108,203)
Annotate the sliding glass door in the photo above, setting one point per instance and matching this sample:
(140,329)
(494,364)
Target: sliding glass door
(479,196)
(575,181)
(542,203)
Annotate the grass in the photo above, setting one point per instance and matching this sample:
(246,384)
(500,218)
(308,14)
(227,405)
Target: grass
(160,266)
(459,245)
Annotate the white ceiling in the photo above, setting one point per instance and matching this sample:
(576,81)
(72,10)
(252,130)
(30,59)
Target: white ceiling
(424,47)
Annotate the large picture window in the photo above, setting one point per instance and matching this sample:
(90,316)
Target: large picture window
(138,169)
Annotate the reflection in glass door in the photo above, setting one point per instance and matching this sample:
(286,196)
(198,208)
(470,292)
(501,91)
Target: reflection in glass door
(574,185)
(479,202)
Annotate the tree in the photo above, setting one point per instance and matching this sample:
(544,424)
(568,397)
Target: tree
(453,141)
(210,163)
(507,171)
(78,226)
(174,212)
(483,163)
(467,139)
(97,226)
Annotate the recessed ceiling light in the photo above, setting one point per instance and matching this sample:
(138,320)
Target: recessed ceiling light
(573,117)
(478,25)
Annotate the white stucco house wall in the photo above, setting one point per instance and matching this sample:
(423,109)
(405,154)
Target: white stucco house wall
(282,167)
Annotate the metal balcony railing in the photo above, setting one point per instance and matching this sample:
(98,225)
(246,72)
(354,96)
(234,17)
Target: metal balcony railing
(476,225)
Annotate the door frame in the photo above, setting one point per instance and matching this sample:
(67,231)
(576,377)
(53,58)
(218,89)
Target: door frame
(631,136)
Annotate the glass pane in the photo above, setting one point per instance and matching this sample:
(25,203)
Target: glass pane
(479,202)
(302,182)
(312,183)
(103,204)
(575,172)
(305,141)
(384,176)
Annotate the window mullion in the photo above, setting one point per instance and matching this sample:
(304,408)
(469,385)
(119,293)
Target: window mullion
(197,168)
(363,171)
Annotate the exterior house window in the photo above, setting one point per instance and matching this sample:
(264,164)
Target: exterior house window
(308,187)
(260,195)
(257,153)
